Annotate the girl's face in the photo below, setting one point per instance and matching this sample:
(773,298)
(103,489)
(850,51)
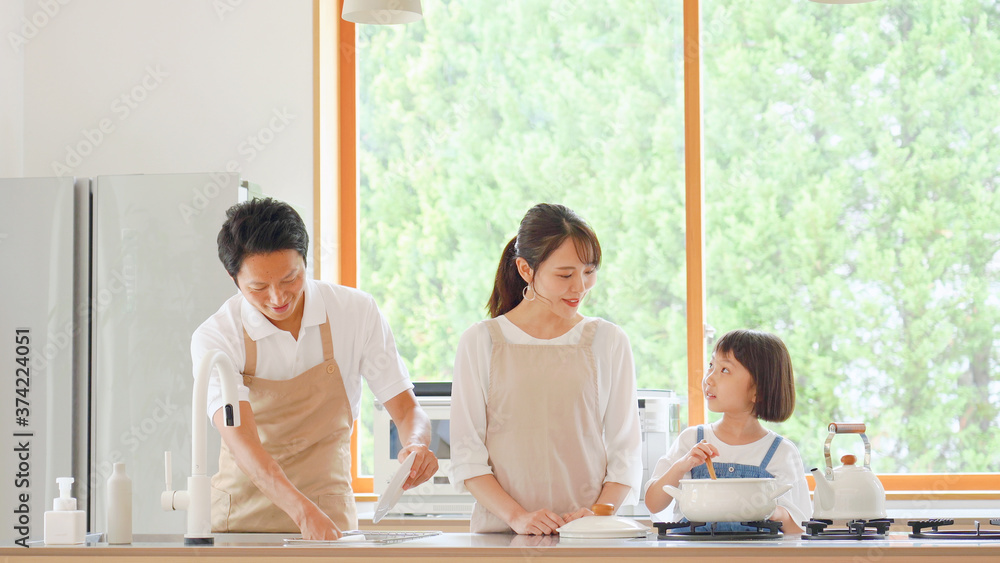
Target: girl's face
(561,281)
(274,284)
(728,386)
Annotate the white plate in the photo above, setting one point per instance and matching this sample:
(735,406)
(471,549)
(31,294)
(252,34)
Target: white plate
(395,488)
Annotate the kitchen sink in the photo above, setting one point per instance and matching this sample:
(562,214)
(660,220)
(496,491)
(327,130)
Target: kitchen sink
(220,539)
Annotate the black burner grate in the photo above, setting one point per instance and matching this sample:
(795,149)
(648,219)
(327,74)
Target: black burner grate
(853,530)
(766,529)
(931,529)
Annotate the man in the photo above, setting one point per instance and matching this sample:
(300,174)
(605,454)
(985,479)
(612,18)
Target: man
(303,347)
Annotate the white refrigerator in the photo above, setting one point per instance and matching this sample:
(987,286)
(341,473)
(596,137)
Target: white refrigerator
(131,262)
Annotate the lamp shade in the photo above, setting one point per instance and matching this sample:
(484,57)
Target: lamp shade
(382,12)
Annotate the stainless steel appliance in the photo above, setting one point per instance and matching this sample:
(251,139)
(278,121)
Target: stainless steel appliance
(107,279)
(659,422)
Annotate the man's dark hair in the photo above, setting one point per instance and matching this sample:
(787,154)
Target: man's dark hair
(260,226)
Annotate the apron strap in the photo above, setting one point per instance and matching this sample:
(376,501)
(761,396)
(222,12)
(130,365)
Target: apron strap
(701,432)
(324,331)
(770,452)
(495,333)
(587,339)
(250,365)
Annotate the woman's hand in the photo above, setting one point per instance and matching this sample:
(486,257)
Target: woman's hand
(577,515)
(538,523)
(424,466)
(316,525)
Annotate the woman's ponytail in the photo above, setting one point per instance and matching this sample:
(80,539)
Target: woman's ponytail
(508,284)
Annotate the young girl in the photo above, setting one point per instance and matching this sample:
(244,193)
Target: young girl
(544,417)
(749,378)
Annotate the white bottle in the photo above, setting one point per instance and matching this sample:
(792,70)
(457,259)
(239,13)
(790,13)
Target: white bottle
(64,524)
(119,506)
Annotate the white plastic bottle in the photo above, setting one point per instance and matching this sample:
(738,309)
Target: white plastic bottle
(119,506)
(64,524)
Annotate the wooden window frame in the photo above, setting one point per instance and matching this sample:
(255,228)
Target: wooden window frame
(341,63)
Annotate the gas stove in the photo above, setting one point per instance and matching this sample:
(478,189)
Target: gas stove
(931,529)
(853,530)
(686,531)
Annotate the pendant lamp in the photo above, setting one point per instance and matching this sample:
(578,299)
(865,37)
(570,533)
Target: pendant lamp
(382,12)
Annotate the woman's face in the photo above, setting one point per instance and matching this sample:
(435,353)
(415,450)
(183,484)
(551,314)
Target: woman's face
(274,284)
(562,280)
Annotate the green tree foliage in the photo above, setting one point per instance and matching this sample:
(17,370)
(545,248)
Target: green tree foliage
(851,162)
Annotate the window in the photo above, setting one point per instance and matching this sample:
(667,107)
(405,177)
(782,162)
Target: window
(851,162)
(850,183)
(479,111)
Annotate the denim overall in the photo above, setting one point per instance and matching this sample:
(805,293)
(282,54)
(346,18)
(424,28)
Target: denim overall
(731,471)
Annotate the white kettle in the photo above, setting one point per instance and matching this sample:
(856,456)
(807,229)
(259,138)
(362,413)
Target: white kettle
(848,492)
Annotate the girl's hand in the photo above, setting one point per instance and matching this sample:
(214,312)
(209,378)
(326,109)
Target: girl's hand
(538,523)
(699,454)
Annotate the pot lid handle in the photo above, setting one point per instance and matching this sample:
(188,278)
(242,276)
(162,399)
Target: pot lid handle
(603,509)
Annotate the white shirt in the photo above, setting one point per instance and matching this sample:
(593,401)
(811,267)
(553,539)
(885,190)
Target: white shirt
(615,391)
(362,343)
(786,466)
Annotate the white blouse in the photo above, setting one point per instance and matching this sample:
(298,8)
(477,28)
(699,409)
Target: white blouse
(616,390)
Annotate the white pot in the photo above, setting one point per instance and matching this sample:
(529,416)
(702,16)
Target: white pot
(727,500)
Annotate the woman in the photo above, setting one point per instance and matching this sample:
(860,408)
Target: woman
(303,347)
(544,415)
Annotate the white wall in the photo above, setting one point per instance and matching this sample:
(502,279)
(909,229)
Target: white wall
(11,89)
(171,86)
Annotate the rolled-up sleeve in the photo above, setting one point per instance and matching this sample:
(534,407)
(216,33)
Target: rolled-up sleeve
(469,457)
(622,438)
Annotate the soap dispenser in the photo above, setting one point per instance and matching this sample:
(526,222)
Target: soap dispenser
(64,524)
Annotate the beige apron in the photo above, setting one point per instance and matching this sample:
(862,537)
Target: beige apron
(544,430)
(305,424)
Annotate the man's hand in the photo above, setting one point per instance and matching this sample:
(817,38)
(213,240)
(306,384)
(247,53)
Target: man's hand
(316,525)
(424,466)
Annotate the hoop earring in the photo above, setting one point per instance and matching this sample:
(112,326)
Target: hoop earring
(524,293)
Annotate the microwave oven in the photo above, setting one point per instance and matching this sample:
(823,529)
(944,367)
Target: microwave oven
(437,495)
(659,424)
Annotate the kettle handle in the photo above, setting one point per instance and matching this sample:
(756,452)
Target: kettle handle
(846,428)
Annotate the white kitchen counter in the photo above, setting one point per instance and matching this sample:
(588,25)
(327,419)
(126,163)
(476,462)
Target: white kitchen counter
(498,548)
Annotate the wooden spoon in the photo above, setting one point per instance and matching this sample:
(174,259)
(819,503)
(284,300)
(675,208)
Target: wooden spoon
(708,463)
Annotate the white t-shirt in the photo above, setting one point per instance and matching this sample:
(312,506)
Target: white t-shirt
(615,391)
(786,466)
(362,343)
